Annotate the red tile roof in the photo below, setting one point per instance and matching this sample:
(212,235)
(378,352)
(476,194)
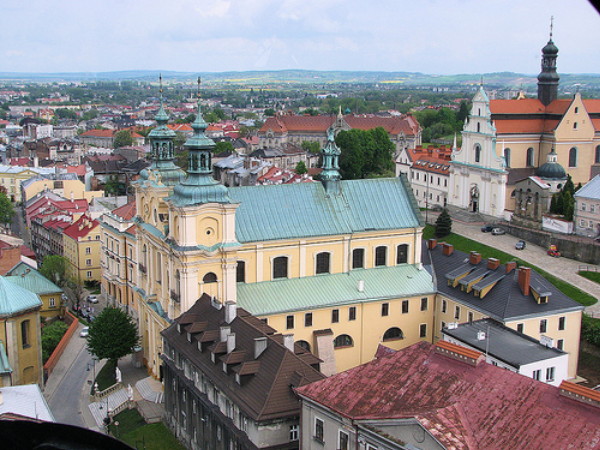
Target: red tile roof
(183,127)
(81,228)
(99,133)
(481,406)
(127,211)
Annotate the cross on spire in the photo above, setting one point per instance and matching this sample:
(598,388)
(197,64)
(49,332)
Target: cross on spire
(551,25)
(199,83)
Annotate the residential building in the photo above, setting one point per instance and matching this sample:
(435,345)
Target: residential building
(50,294)
(11,178)
(10,255)
(20,331)
(470,288)
(586,217)
(444,396)
(119,257)
(67,185)
(81,241)
(105,138)
(404,131)
(229,379)
(509,349)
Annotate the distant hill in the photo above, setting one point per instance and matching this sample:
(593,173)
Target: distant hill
(312,77)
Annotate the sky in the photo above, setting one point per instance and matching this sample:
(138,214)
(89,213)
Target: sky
(429,36)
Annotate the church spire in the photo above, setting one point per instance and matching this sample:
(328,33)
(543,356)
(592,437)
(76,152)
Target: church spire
(330,176)
(199,186)
(548,78)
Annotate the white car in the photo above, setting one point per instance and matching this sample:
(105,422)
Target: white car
(92,299)
(85,332)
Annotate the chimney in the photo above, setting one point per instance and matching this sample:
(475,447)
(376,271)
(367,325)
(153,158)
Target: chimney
(288,341)
(524,278)
(474,258)
(493,263)
(230,311)
(431,244)
(361,285)
(230,342)
(260,345)
(447,249)
(510,266)
(225,330)
(481,335)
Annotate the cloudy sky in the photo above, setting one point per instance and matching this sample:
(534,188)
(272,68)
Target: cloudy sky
(431,36)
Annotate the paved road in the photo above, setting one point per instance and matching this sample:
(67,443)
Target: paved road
(563,268)
(67,381)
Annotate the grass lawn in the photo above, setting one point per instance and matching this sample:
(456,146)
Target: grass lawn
(106,377)
(466,245)
(594,276)
(134,431)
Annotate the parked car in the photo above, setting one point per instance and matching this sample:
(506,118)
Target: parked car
(85,332)
(487,228)
(497,231)
(92,298)
(520,245)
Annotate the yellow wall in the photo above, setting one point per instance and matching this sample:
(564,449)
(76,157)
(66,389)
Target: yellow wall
(47,310)
(83,256)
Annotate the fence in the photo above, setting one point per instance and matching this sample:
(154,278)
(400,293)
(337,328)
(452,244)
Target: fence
(60,348)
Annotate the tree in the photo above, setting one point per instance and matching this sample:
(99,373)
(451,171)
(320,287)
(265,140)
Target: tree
(301,168)
(223,146)
(269,112)
(54,268)
(65,113)
(75,292)
(114,187)
(443,224)
(122,139)
(365,153)
(311,146)
(112,335)
(7,211)
(463,112)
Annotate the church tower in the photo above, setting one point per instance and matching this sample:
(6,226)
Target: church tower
(330,176)
(548,78)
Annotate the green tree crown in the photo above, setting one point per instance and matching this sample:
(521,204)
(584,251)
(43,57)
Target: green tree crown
(112,335)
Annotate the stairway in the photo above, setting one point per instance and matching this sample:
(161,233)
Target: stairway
(114,400)
(150,389)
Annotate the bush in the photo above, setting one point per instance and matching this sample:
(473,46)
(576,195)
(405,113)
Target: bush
(51,336)
(443,224)
(590,330)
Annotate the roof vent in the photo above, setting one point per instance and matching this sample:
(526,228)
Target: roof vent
(481,335)
(453,325)
(361,285)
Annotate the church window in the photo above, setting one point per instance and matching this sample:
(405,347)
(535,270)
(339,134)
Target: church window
(343,340)
(507,157)
(393,334)
(477,153)
(358,258)
(280,267)
(380,256)
(576,110)
(529,161)
(241,272)
(597,155)
(322,265)
(210,277)
(574,125)
(352,313)
(478,127)
(402,254)
(573,157)
(25,326)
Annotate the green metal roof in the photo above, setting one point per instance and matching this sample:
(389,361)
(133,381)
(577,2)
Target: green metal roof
(27,277)
(305,209)
(298,294)
(14,298)
(4,362)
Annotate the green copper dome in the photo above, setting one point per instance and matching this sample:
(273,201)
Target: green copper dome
(551,170)
(199,186)
(550,48)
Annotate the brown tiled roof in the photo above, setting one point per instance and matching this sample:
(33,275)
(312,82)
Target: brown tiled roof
(464,406)
(265,392)
(127,211)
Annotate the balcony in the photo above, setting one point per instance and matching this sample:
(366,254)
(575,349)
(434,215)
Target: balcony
(142,268)
(175,296)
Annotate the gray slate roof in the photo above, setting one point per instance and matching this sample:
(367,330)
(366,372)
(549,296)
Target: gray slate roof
(505,302)
(590,190)
(503,343)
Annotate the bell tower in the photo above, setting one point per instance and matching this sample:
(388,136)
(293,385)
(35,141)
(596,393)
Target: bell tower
(548,78)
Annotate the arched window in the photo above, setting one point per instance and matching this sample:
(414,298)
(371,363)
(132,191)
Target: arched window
(402,254)
(240,272)
(209,278)
(322,263)
(280,267)
(380,256)
(305,345)
(393,334)
(507,157)
(597,155)
(529,161)
(477,153)
(343,340)
(358,258)
(573,157)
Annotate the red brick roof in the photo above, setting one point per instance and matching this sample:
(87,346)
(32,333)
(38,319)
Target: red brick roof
(464,406)
(81,227)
